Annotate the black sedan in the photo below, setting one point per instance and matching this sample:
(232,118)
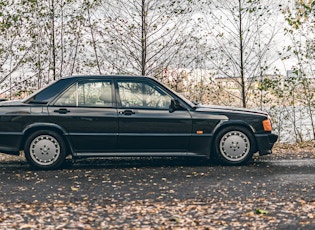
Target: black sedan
(105,116)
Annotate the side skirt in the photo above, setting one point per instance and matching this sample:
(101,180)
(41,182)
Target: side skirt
(135,154)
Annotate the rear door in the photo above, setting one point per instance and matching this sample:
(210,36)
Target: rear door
(145,123)
(86,111)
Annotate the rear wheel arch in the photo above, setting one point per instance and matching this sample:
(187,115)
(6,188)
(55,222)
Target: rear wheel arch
(53,130)
(45,149)
(48,128)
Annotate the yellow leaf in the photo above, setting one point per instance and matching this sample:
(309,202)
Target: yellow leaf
(74,188)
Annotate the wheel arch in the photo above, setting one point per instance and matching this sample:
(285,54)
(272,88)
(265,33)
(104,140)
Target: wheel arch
(226,124)
(49,127)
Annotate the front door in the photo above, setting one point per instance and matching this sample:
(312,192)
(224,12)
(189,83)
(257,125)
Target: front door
(145,123)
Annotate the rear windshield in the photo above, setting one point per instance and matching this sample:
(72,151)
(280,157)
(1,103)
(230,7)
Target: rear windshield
(48,93)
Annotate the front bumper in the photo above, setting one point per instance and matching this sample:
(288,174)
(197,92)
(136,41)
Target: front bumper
(265,143)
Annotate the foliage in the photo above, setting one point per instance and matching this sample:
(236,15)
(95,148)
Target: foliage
(242,33)
(143,37)
(301,30)
(214,52)
(45,40)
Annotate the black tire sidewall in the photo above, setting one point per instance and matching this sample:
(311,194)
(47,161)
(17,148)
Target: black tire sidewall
(62,155)
(220,158)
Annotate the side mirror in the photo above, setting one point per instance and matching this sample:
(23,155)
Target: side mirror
(174,105)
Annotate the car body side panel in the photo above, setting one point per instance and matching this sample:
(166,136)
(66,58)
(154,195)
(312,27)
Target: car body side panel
(89,129)
(13,119)
(154,131)
(204,126)
(10,142)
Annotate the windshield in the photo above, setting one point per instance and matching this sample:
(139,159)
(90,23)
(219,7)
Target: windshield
(188,102)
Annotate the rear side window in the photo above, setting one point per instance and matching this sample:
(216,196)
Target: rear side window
(87,94)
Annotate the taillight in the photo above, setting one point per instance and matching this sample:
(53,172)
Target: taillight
(267,125)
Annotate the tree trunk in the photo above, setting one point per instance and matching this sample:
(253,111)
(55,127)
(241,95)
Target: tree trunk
(53,39)
(143,39)
(242,73)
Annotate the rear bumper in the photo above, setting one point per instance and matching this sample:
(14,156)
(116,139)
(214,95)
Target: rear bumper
(265,143)
(10,143)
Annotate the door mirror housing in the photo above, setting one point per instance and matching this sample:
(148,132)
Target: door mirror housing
(175,105)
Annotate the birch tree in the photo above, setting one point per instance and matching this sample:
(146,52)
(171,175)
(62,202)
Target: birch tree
(41,42)
(142,36)
(14,45)
(241,34)
(300,17)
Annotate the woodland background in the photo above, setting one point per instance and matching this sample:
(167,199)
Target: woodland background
(249,53)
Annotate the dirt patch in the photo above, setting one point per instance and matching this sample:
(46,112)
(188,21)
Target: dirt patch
(9,158)
(298,150)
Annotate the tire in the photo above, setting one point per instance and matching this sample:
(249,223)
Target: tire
(45,150)
(234,146)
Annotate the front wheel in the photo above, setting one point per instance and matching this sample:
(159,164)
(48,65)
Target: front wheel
(45,150)
(234,145)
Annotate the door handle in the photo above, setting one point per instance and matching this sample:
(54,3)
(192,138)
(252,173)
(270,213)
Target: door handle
(127,112)
(62,111)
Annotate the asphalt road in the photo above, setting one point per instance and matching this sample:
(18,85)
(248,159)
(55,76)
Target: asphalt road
(159,193)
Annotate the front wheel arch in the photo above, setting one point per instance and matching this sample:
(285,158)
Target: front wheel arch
(228,140)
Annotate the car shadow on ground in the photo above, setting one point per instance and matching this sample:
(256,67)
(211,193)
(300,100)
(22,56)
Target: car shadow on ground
(138,162)
(20,163)
(153,162)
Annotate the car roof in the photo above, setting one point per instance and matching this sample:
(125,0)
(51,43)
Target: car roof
(104,76)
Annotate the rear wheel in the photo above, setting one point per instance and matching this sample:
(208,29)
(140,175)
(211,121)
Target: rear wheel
(45,150)
(234,145)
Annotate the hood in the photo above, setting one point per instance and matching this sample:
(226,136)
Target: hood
(217,108)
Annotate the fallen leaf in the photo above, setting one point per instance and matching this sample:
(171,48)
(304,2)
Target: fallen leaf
(260,211)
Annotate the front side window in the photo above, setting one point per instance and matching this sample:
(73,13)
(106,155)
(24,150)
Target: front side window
(141,94)
(87,94)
